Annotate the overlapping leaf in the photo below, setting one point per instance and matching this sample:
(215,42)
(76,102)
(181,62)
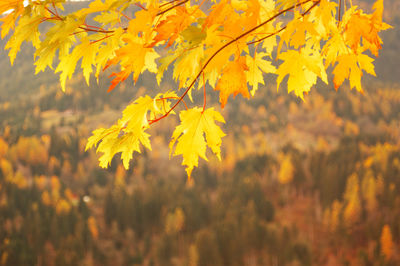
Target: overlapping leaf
(129,132)
(134,58)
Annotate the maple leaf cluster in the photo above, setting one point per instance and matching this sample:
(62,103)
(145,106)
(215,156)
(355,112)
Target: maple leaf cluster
(228,46)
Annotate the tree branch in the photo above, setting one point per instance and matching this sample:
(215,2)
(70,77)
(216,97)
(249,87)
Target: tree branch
(278,31)
(226,45)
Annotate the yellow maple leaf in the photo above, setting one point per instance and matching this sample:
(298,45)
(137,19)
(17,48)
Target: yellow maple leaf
(89,54)
(195,123)
(233,80)
(85,50)
(326,13)
(334,47)
(187,65)
(59,37)
(297,32)
(164,63)
(257,66)
(303,69)
(26,30)
(270,43)
(118,138)
(129,132)
(107,50)
(142,23)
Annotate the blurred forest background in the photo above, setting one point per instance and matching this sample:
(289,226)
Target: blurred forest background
(300,183)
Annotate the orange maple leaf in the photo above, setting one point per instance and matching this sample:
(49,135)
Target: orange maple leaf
(361,26)
(170,28)
(350,67)
(233,80)
(218,15)
(134,58)
(367,27)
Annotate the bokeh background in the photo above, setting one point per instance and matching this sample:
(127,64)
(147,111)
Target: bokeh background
(300,183)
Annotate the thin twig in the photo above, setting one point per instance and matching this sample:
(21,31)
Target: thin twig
(172,7)
(51,12)
(55,9)
(198,7)
(266,37)
(278,31)
(93,30)
(172,97)
(205,95)
(168,3)
(101,39)
(139,5)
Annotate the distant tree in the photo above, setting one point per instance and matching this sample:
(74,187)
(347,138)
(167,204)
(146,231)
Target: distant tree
(386,242)
(352,209)
(3,147)
(369,191)
(286,171)
(207,248)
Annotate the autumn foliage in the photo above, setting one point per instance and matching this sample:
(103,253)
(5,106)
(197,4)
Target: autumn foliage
(227,46)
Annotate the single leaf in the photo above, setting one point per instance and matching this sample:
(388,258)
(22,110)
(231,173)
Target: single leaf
(233,80)
(26,30)
(303,70)
(326,14)
(350,67)
(197,131)
(85,50)
(256,67)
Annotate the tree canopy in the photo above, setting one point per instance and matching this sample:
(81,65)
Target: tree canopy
(228,46)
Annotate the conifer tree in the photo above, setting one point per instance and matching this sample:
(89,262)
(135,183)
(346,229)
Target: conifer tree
(386,242)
